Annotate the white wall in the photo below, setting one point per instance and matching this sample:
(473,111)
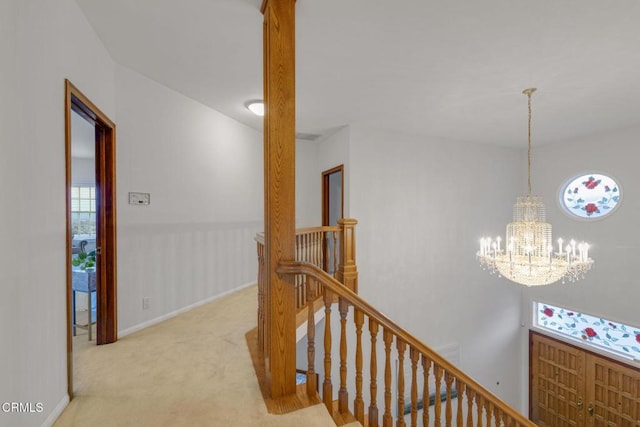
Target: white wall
(611,288)
(334,151)
(308,188)
(195,240)
(11,246)
(422,205)
(43,42)
(204,173)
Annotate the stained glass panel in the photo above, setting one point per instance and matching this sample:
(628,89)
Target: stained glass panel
(612,336)
(590,196)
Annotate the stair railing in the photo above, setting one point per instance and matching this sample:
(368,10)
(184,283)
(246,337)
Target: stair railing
(439,390)
(330,248)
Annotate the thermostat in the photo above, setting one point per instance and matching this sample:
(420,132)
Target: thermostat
(139,198)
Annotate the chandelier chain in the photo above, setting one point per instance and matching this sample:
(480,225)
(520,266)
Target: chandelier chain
(529,92)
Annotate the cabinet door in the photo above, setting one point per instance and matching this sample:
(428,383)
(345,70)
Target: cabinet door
(557,383)
(614,397)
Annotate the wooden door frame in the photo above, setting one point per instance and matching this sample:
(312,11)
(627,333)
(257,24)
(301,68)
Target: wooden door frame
(325,192)
(325,202)
(106,322)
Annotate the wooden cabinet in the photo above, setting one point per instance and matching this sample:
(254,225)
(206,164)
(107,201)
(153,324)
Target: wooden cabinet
(569,386)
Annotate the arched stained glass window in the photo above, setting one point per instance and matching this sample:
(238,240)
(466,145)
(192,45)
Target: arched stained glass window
(590,196)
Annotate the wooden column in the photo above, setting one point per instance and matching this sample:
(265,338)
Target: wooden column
(347,272)
(279,197)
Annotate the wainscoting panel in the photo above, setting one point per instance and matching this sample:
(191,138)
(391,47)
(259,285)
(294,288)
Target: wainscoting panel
(179,265)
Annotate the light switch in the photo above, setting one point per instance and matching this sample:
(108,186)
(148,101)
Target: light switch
(139,198)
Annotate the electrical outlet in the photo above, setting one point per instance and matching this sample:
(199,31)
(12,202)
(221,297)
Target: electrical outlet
(146,303)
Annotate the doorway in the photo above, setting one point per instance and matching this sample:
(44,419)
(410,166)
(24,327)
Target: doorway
(91,222)
(332,205)
(571,386)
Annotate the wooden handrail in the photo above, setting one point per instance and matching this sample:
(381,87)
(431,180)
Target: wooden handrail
(493,405)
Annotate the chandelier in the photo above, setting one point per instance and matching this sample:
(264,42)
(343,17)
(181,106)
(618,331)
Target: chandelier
(528,255)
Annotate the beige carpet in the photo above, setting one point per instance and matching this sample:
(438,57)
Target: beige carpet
(191,370)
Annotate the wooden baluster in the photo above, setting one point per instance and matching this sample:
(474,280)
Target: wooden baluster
(299,248)
(312,379)
(261,324)
(488,411)
(307,283)
(437,370)
(460,395)
(426,367)
(448,380)
(470,394)
(325,251)
(358,403)
(327,387)
(414,355)
(373,370)
(335,253)
(343,394)
(305,288)
(497,415)
(479,406)
(387,421)
(508,421)
(401,346)
(266,305)
(318,246)
(307,248)
(347,268)
(298,282)
(319,249)
(298,278)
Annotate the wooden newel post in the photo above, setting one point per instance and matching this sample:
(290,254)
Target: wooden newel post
(279,194)
(347,270)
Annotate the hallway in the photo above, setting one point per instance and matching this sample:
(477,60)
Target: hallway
(191,370)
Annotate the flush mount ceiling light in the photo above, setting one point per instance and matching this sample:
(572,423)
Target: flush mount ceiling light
(256,106)
(528,256)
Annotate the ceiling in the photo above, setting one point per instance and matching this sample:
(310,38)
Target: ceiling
(447,69)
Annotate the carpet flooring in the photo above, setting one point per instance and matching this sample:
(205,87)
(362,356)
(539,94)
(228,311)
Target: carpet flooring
(191,370)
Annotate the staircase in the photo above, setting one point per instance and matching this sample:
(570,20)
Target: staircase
(386,377)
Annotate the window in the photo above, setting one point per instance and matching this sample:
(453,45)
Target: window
(611,336)
(590,196)
(83,210)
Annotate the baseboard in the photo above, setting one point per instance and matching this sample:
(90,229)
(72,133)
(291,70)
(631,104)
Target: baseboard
(164,317)
(57,411)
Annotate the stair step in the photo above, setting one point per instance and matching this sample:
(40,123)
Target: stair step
(343,418)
